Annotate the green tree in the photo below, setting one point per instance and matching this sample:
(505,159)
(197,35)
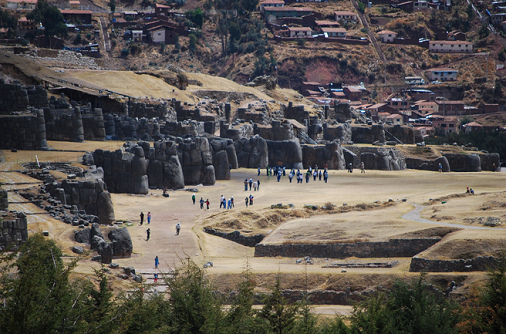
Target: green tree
(193,43)
(196,16)
(50,17)
(39,297)
(493,300)
(193,306)
(112,5)
(278,312)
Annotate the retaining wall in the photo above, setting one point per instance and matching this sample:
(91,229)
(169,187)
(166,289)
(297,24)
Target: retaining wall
(391,248)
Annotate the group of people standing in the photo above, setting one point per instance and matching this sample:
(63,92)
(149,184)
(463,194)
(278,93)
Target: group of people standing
(252,184)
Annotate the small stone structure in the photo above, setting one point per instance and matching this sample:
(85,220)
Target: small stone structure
(13,231)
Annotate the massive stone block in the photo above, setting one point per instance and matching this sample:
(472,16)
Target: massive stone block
(252,152)
(121,242)
(286,153)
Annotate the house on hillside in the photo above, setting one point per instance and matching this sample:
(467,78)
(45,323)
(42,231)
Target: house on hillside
(426,107)
(387,36)
(346,16)
(450,46)
(446,124)
(375,109)
(413,6)
(162,10)
(162,34)
(395,119)
(74,5)
(447,108)
(300,32)
(27,5)
(270,3)
(273,13)
(334,32)
(26,25)
(319,24)
(442,74)
(75,16)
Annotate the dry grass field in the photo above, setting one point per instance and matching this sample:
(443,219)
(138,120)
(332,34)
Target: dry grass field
(369,207)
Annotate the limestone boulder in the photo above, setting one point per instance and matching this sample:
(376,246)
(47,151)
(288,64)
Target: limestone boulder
(173,173)
(95,232)
(490,162)
(444,163)
(464,162)
(104,249)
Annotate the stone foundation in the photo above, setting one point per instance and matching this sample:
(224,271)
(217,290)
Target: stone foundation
(13,232)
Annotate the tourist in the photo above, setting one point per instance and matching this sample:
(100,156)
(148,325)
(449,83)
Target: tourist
(193,198)
(246,201)
(201,203)
(155,279)
(255,186)
(245,184)
(224,202)
(350,167)
(165,194)
(178,228)
(232,201)
(362,167)
(229,204)
(258,185)
(222,199)
(250,184)
(279,174)
(320,175)
(467,190)
(315,174)
(207,203)
(148,233)
(284,171)
(307,176)
(325,176)
(290,177)
(440,167)
(250,199)
(258,171)
(471,191)
(156,262)
(149,217)
(142,217)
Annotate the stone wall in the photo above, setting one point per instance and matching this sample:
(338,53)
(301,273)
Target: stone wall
(391,248)
(341,131)
(286,153)
(237,237)
(368,134)
(89,195)
(4,200)
(197,113)
(94,126)
(17,97)
(464,162)
(482,263)
(65,125)
(196,160)
(252,152)
(164,169)
(148,110)
(277,131)
(378,158)
(236,131)
(124,172)
(224,157)
(295,112)
(330,154)
(24,132)
(13,231)
(405,134)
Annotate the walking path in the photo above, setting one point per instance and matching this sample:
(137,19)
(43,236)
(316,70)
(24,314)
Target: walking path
(414,215)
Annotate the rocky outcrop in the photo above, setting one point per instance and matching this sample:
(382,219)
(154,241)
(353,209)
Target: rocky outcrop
(330,154)
(286,153)
(252,152)
(196,160)
(224,157)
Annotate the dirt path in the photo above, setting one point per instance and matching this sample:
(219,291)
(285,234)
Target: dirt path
(414,215)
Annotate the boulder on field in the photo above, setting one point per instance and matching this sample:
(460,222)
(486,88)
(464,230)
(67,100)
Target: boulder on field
(444,163)
(173,173)
(83,235)
(95,231)
(121,242)
(104,249)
